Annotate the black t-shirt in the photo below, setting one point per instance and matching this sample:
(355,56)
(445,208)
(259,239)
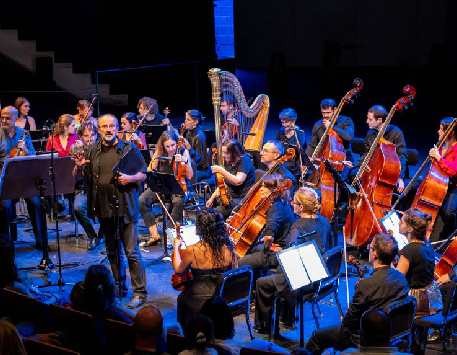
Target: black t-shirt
(421,259)
(244,165)
(302,226)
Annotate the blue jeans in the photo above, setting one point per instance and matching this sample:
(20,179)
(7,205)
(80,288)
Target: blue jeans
(81,214)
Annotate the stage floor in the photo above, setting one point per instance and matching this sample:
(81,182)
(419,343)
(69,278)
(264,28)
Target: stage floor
(160,291)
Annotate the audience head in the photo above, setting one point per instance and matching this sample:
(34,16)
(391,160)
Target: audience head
(375,329)
(220,314)
(148,327)
(10,340)
(199,331)
(383,249)
(414,224)
(99,288)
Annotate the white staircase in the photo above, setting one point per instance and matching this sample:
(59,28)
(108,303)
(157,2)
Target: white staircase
(79,84)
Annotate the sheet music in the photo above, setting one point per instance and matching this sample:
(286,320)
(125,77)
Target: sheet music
(391,223)
(296,274)
(312,262)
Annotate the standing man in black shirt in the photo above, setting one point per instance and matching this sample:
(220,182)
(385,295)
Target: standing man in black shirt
(196,145)
(375,118)
(115,169)
(344,127)
(291,136)
(384,286)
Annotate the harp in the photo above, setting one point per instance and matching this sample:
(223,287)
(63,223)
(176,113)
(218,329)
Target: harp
(252,118)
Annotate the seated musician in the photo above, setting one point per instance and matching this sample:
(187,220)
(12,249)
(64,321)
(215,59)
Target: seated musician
(196,144)
(375,117)
(306,205)
(344,127)
(384,286)
(269,154)
(417,258)
(88,135)
(84,114)
(165,156)
(24,120)
(207,259)
(16,142)
(446,158)
(230,125)
(278,221)
(63,137)
(238,172)
(128,125)
(291,136)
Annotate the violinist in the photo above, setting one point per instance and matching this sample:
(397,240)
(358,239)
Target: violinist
(129,132)
(417,258)
(344,127)
(63,137)
(85,112)
(375,118)
(24,120)
(196,144)
(306,205)
(290,135)
(238,172)
(207,260)
(16,141)
(230,125)
(166,155)
(384,286)
(446,158)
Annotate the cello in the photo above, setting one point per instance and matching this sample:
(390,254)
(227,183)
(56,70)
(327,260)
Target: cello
(247,221)
(376,179)
(433,188)
(330,147)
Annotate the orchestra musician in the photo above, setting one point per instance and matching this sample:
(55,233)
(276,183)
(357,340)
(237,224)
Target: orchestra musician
(384,286)
(375,118)
(290,135)
(269,154)
(63,137)
(310,226)
(238,172)
(446,158)
(130,133)
(89,136)
(85,112)
(207,260)
(17,142)
(196,144)
(166,155)
(344,127)
(113,198)
(417,258)
(24,120)
(230,124)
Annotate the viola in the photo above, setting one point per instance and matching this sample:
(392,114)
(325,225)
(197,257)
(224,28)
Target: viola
(18,152)
(179,280)
(180,167)
(224,196)
(376,179)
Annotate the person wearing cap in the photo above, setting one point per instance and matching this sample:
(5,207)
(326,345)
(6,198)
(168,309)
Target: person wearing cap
(291,136)
(196,144)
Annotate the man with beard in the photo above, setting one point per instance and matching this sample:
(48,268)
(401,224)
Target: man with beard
(113,189)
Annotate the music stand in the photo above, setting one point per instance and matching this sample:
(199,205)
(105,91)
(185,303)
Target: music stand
(38,180)
(153,132)
(302,265)
(164,184)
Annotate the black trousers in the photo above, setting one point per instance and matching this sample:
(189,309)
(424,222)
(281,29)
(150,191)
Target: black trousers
(8,273)
(331,337)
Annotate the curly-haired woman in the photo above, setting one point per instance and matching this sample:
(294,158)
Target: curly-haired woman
(207,260)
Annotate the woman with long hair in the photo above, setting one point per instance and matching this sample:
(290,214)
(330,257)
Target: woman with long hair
(128,132)
(207,260)
(23,119)
(63,137)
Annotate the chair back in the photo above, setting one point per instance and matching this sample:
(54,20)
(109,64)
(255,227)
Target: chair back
(333,259)
(401,315)
(20,307)
(235,287)
(35,347)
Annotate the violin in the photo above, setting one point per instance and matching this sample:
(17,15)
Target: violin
(224,196)
(180,167)
(180,280)
(16,151)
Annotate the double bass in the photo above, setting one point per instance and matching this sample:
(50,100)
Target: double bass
(330,147)
(375,179)
(433,188)
(245,223)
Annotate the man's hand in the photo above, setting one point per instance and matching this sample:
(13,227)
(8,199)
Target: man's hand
(326,123)
(124,179)
(400,185)
(80,160)
(434,153)
(217,169)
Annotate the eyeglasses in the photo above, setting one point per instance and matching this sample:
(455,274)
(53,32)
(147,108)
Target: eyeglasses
(106,126)
(268,151)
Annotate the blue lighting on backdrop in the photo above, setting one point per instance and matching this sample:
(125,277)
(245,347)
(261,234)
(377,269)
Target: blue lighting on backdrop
(224,29)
